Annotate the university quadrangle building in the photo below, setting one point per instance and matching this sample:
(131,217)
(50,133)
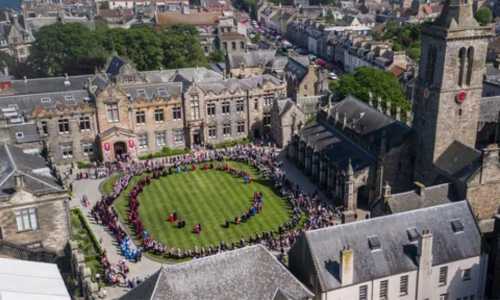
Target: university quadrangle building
(123,111)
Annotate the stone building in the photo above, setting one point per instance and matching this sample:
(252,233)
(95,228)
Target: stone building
(286,121)
(352,149)
(16,38)
(33,205)
(124,111)
(427,253)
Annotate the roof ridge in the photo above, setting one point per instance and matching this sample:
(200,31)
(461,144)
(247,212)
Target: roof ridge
(41,181)
(386,216)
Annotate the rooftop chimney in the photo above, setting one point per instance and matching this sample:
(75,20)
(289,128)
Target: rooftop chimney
(424,265)
(420,189)
(346,266)
(19,181)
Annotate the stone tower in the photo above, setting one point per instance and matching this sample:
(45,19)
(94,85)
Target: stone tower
(449,84)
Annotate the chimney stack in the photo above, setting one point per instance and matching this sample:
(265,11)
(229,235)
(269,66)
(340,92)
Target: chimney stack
(346,266)
(420,189)
(424,265)
(19,181)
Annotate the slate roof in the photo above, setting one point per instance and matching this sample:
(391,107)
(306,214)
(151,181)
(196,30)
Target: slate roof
(37,177)
(489,109)
(459,160)
(29,133)
(316,254)
(367,121)
(47,85)
(298,66)
(152,90)
(335,145)
(254,58)
(247,273)
(433,195)
(233,84)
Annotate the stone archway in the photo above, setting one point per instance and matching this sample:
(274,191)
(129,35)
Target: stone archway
(120,149)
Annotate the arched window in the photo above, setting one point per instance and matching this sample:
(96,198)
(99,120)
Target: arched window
(431,61)
(461,72)
(470,64)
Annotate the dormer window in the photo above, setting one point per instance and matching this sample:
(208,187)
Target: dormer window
(69,98)
(412,234)
(19,134)
(374,243)
(141,93)
(457,226)
(162,92)
(45,99)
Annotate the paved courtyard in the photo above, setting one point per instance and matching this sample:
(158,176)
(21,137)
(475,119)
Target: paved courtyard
(146,266)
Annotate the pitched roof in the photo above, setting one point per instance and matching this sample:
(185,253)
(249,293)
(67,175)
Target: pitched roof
(193,18)
(433,195)
(247,273)
(459,160)
(489,109)
(33,168)
(316,255)
(251,58)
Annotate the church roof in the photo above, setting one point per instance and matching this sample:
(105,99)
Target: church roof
(459,160)
(315,257)
(456,15)
(489,109)
(247,273)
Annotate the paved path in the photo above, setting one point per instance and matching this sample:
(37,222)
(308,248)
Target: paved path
(146,267)
(142,269)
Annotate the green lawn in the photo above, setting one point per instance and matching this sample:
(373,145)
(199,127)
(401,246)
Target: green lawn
(206,197)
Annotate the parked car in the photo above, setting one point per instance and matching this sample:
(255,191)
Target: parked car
(332,76)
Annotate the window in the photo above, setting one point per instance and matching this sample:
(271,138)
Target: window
(176,113)
(211,109)
(195,108)
(242,45)
(63,126)
(141,93)
(45,100)
(268,100)
(267,118)
(212,132)
(178,136)
(225,45)
(384,286)
(240,127)
(466,275)
(140,117)
(143,141)
(226,107)
(44,127)
(84,123)
(240,106)
(233,45)
(159,117)
(470,64)
(19,134)
(67,151)
(161,138)
(69,98)
(88,149)
(112,112)
(26,219)
(443,297)
(403,285)
(162,92)
(256,104)
(226,129)
(461,57)
(363,292)
(443,275)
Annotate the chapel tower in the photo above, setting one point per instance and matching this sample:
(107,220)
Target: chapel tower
(449,84)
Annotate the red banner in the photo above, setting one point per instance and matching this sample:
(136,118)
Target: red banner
(131,143)
(107,147)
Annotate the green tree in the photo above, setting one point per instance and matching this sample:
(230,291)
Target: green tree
(216,56)
(484,16)
(365,80)
(70,48)
(181,47)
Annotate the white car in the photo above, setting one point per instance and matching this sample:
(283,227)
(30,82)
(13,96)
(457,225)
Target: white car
(332,76)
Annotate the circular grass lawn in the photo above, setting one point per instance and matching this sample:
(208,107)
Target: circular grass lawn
(207,197)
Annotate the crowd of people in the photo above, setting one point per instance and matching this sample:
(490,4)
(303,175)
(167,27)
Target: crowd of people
(306,207)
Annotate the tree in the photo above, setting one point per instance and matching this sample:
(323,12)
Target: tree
(216,56)
(70,48)
(181,47)
(365,80)
(484,16)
